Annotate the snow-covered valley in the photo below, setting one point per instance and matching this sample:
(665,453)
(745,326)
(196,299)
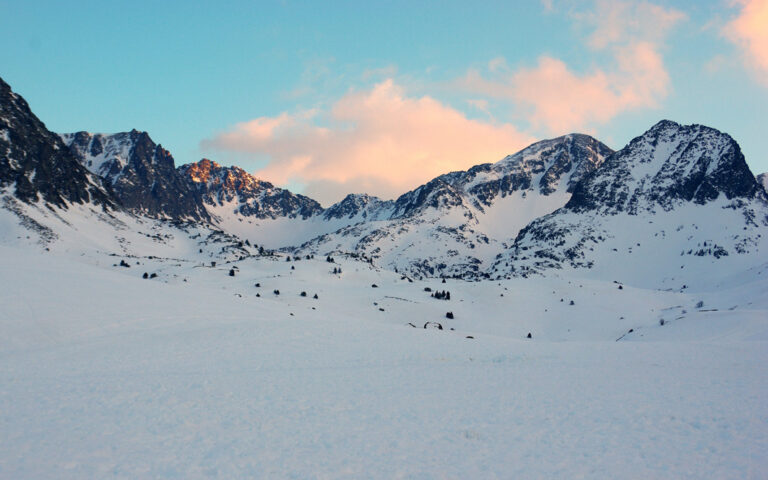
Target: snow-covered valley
(198,374)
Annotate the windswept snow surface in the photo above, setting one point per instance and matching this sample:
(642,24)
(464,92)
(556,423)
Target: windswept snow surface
(190,375)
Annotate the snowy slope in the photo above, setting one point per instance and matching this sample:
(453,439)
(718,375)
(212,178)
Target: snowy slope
(192,375)
(82,229)
(677,206)
(457,223)
(762,179)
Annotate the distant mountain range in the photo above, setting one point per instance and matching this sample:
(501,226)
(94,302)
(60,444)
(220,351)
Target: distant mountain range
(682,193)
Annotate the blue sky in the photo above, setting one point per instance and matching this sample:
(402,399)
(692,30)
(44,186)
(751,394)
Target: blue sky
(333,97)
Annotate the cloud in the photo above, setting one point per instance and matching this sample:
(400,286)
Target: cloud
(622,23)
(379,141)
(498,64)
(749,30)
(556,99)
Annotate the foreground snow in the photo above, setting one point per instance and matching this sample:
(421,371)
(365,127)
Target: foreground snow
(190,375)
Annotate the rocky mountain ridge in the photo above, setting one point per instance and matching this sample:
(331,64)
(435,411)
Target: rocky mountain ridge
(457,223)
(36,164)
(681,195)
(233,188)
(142,174)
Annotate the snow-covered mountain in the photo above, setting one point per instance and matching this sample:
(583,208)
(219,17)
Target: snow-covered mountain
(36,165)
(677,204)
(359,207)
(49,200)
(458,222)
(141,173)
(230,192)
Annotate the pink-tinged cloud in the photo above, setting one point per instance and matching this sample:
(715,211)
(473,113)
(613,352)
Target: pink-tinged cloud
(556,99)
(379,141)
(627,22)
(749,30)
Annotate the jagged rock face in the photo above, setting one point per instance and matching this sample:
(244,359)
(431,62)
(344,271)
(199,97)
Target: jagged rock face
(364,206)
(679,195)
(236,190)
(141,173)
(544,168)
(668,165)
(37,163)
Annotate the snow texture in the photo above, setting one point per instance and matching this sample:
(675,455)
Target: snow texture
(198,374)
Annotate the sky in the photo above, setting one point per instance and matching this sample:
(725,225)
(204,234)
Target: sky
(337,97)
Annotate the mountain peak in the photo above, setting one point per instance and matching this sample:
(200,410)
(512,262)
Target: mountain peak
(36,162)
(235,190)
(141,173)
(668,165)
(366,206)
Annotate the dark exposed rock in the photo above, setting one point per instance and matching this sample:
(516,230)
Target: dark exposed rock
(669,164)
(36,163)
(218,186)
(141,173)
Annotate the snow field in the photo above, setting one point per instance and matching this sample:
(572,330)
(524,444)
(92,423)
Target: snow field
(104,374)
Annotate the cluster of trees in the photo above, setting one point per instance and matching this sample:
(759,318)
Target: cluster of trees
(441,295)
